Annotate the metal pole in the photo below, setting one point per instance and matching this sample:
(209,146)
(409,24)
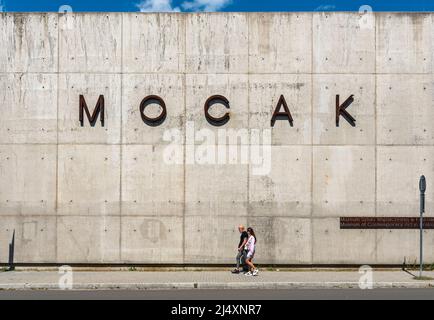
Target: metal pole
(422,188)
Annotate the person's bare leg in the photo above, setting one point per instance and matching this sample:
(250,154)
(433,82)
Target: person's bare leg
(250,264)
(254,271)
(253,266)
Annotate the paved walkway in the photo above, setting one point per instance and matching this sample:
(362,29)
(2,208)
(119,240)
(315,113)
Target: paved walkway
(137,280)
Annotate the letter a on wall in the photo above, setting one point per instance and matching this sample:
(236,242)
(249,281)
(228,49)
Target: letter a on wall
(282,115)
(98,111)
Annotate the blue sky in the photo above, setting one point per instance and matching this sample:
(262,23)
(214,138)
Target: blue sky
(217,5)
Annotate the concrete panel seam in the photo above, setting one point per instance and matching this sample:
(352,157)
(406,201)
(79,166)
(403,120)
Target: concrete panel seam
(184,84)
(121,139)
(311,140)
(57,134)
(376,139)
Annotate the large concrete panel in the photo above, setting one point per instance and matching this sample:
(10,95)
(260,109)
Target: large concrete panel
(282,240)
(211,239)
(280,43)
(27,180)
(405,43)
(286,190)
(398,173)
(90,42)
(200,87)
(216,190)
(334,246)
(405,113)
(170,88)
(89,180)
(151,184)
(217,43)
(264,94)
(342,43)
(29,42)
(29,108)
(343,181)
(153,42)
(35,239)
(325,89)
(88,239)
(91,86)
(152,240)
(388,252)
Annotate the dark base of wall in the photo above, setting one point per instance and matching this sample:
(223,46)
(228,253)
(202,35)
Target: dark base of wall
(180,266)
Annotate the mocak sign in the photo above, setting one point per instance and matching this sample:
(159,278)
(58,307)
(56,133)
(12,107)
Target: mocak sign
(281,111)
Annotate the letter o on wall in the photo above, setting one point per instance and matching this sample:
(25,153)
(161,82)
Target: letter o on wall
(217,122)
(153,122)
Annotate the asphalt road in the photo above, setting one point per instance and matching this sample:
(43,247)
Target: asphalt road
(303,294)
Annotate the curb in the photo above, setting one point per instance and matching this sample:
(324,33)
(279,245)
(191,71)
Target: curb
(217,286)
(312,285)
(100,286)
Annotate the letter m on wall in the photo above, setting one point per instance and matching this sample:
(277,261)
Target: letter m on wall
(98,111)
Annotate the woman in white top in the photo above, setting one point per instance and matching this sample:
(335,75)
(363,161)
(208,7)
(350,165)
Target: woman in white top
(250,248)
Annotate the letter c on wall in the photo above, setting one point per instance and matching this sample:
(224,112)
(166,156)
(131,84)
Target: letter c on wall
(153,122)
(217,122)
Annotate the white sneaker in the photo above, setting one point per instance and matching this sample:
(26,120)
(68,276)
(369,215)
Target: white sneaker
(255,273)
(249,274)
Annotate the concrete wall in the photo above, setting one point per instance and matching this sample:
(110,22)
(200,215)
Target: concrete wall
(103,195)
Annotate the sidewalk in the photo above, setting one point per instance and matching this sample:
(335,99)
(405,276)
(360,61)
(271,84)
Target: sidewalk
(136,280)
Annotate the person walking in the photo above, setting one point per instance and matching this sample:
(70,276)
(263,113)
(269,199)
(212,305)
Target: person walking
(250,248)
(241,252)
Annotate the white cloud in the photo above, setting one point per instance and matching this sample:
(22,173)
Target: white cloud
(189,5)
(205,5)
(157,6)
